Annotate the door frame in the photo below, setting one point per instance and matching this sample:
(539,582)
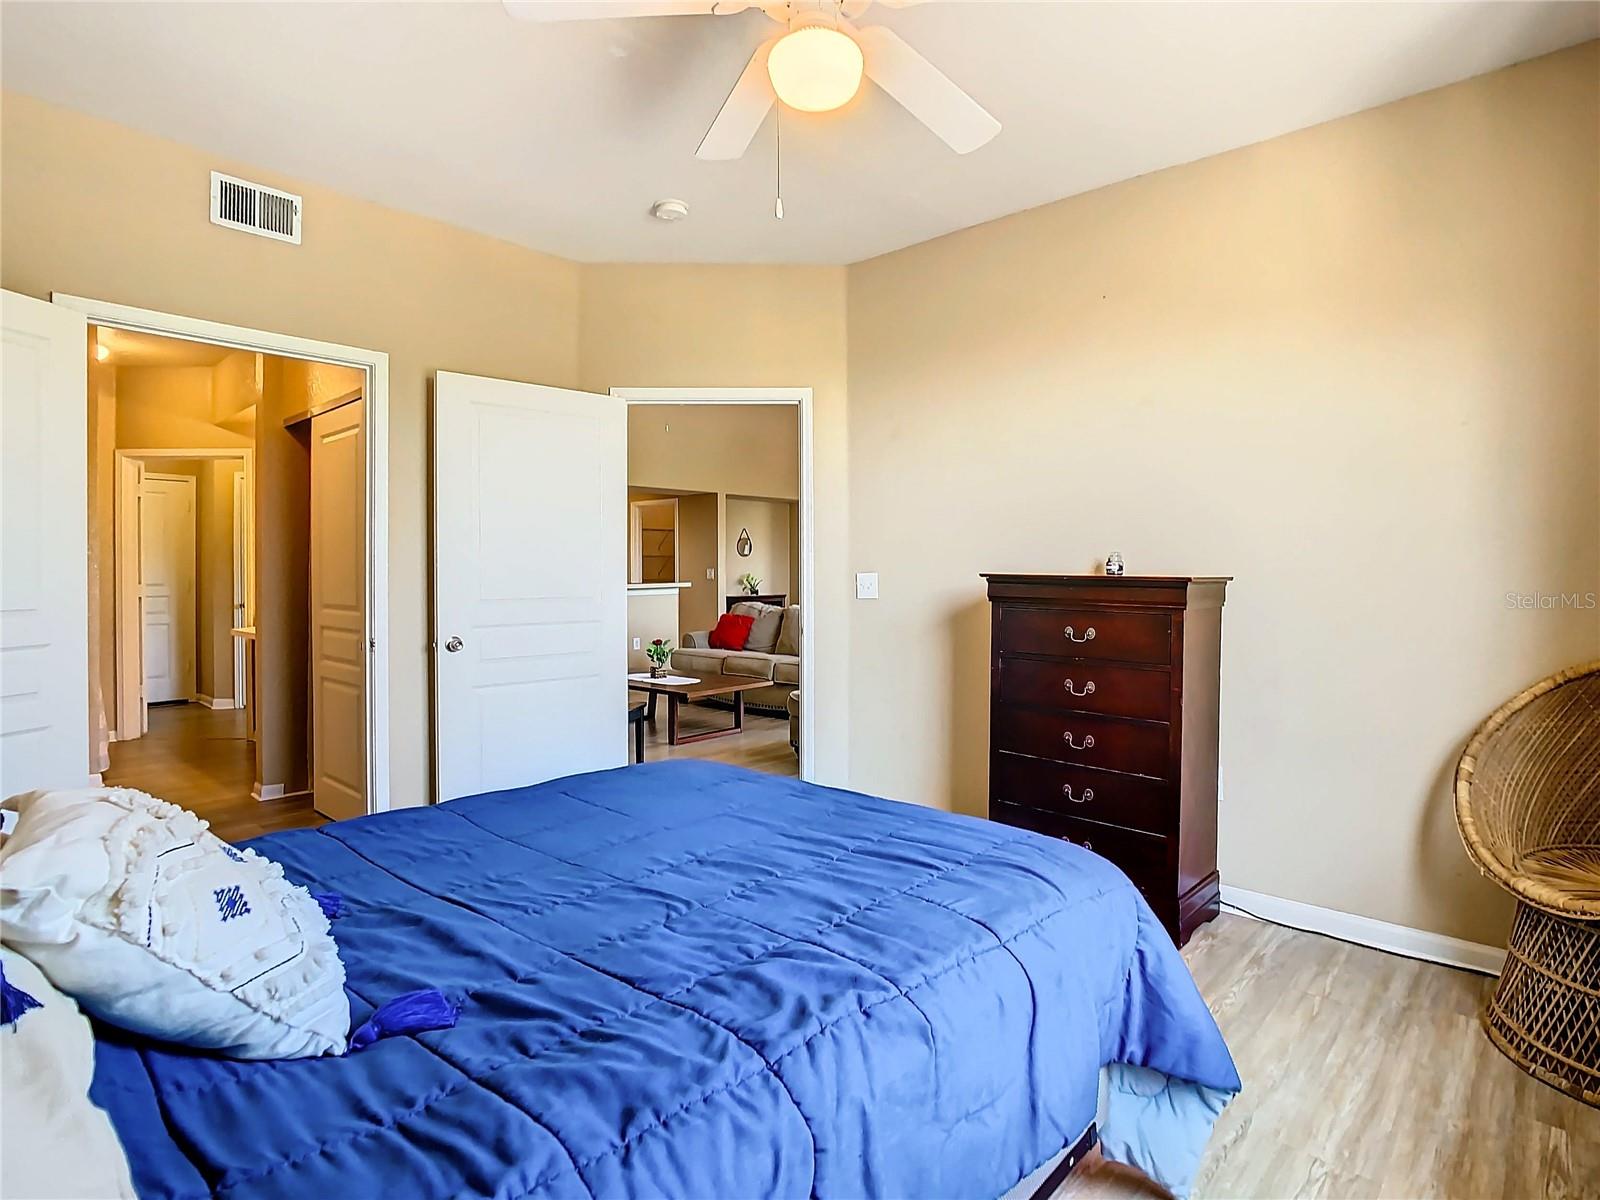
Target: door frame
(130,710)
(375,363)
(242,568)
(801,398)
(636,536)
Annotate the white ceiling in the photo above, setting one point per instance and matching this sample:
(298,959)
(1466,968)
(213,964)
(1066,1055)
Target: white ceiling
(560,137)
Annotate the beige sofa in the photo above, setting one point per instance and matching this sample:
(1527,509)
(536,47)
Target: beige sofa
(773,652)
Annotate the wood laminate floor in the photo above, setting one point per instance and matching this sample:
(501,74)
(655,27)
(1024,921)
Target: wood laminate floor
(200,758)
(762,746)
(1366,1077)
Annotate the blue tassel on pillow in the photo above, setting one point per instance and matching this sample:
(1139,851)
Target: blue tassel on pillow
(331,904)
(14,1001)
(415,1012)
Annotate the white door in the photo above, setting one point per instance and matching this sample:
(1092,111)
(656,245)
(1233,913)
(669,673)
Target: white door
(44,522)
(339,612)
(166,586)
(530,583)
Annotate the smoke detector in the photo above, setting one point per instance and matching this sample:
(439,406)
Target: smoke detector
(669,210)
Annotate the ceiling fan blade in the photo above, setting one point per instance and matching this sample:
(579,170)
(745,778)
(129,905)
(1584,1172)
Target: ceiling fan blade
(548,11)
(743,111)
(926,92)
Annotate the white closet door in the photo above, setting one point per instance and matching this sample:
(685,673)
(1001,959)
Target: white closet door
(44,578)
(167,586)
(339,611)
(530,583)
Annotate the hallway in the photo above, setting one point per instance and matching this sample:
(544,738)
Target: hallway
(200,758)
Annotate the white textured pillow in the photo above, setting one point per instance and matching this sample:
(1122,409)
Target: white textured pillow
(155,924)
(53,1141)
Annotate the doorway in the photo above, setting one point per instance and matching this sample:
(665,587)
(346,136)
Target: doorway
(181,564)
(732,470)
(251,694)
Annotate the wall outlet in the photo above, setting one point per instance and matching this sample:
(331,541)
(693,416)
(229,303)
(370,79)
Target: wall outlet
(636,643)
(866,585)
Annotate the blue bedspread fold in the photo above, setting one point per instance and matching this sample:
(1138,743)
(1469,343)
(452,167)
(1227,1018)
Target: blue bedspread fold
(688,980)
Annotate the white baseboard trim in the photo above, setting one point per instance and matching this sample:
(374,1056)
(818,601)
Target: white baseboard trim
(1366,931)
(276,791)
(214,702)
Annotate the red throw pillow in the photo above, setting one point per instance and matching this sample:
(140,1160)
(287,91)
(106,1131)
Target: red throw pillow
(732,632)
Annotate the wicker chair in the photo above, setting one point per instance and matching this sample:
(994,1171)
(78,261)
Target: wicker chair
(1528,807)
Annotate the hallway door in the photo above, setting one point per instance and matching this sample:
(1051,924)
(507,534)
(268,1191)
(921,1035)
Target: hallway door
(167,586)
(339,611)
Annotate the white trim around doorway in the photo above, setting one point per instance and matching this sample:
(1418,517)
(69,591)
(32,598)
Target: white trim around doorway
(801,398)
(129,711)
(376,365)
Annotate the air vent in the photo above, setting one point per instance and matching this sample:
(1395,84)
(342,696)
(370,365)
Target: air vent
(254,208)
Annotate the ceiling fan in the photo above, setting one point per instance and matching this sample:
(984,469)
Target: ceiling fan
(815,65)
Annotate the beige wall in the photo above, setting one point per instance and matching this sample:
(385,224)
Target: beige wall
(701,602)
(1355,368)
(700,326)
(650,617)
(743,450)
(169,408)
(768,523)
(236,390)
(432,297)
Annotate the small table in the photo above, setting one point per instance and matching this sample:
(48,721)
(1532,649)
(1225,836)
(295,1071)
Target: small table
(706,686)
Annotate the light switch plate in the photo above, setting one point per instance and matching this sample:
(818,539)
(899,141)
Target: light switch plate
(866,585)
(635,643)
(711,572)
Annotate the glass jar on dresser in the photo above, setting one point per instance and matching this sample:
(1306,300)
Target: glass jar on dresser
(1103,700)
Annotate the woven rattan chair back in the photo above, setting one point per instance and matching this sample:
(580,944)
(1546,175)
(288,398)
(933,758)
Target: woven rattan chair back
(1528,807)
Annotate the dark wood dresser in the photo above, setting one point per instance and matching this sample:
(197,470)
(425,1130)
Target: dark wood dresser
(1103,696)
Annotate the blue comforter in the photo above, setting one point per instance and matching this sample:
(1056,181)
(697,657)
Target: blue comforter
(687,980)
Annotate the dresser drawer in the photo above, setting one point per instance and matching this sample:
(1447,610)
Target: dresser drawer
(1081,685)
(1128,800)
(1106,742)
(1086,633)
(1142,857)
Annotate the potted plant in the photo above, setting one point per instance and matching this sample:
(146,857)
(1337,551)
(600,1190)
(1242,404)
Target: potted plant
(750,583)
(659,653)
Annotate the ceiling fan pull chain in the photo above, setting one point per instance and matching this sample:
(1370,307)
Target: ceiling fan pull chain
(777,124)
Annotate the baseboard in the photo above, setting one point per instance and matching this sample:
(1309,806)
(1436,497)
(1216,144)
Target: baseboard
(277,791)
(1365,931)
(214,702)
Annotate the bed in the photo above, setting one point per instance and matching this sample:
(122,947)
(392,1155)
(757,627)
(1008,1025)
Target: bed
(686,979)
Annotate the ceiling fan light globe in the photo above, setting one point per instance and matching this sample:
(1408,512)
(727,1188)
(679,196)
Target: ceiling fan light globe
(815,68)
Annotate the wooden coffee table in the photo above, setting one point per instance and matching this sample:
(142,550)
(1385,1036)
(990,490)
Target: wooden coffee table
(703,687)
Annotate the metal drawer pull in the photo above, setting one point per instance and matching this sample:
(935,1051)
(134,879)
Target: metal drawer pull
(1088,794)
(1088,688)
(1088,634)
(1088,741)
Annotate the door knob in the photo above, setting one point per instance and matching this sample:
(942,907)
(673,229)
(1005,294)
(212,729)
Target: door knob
(454,645)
